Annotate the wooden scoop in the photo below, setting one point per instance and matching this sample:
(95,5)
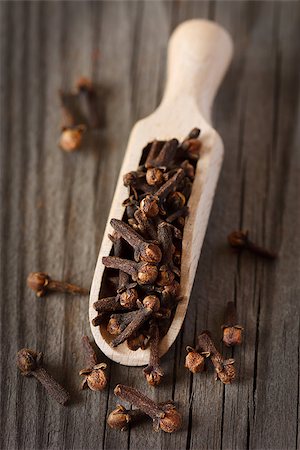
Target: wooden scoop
(199,53)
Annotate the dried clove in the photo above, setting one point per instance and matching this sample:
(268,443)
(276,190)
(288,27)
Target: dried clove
(189,169)
(128,295)
(153,372)
(165,416)
(30,364)
(175,201)
(166,154)
(170,185)
(192,145)
(155,148)
(155,176)
(94,375)
(151,203)
(194,361)
(186,188)
(41,283)
(166,275)
(145,224)
(120,417)
(136,181)
(150,305)
(71,137)
(98,319)
(130,210)
(142,272)
(118,322)
(193,134)
(108,304)
(224,368)
(171,294)
(240,240)
(143,250)
(192,148)
(69,118)
(232,332)
(137,341)
(149,206)
(127,292)
(180,213)
(87,91)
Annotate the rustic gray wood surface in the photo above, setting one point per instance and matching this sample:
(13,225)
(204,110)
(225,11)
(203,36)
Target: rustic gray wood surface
(54,207)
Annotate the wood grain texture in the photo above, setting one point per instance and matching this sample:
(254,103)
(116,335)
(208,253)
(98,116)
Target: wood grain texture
(54,208)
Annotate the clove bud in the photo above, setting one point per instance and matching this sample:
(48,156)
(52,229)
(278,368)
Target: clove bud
(94,375)
(240,240)
(71,137)
(232,332)
(41,283)
(30,364)
(194,361)
(165,416)
(224,368)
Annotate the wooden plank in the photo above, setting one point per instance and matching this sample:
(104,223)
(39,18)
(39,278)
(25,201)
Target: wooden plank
(277,344)
(256,82)
(54,207)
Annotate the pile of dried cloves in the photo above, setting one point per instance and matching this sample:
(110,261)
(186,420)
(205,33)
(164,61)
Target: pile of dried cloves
(144,269)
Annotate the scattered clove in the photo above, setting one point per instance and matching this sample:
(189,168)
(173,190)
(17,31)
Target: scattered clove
(87,91)
(94,375)
(41,283)
(69,118)
(165,416)
(194,361)
(120,418)
(232,332)
(30,364)
(224,368)
(240,240)
(71,137)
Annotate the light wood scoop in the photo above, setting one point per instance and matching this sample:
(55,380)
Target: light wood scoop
(199,53)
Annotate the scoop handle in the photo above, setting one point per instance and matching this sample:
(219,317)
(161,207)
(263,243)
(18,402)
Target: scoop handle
(199,53)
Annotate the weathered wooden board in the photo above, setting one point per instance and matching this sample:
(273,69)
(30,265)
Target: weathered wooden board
(54,208)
